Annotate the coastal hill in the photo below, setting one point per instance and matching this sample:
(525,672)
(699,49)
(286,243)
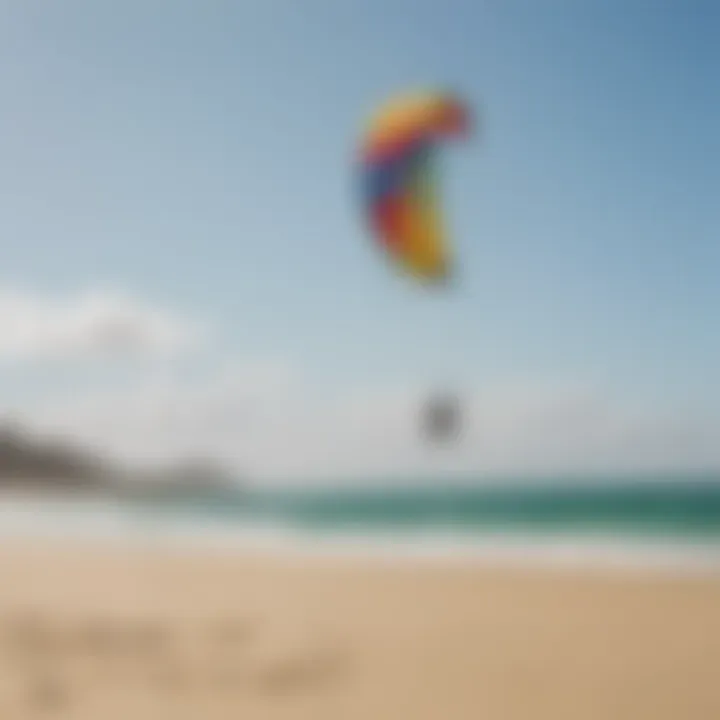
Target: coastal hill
(31,463)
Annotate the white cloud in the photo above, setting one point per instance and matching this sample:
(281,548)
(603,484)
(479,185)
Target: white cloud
(275,424)
(89,324)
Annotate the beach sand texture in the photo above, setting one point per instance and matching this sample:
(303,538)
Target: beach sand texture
(109,633)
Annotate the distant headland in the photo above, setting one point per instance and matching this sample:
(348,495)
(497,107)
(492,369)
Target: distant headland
(30,463)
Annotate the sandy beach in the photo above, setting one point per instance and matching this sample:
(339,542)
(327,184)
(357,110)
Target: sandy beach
(109,632)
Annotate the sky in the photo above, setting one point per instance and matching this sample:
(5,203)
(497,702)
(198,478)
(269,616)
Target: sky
(184,266)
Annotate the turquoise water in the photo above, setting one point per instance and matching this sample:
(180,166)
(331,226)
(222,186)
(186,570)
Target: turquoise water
(667,507)
(671,524)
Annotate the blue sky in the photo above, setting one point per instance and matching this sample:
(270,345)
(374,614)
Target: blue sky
(200,154)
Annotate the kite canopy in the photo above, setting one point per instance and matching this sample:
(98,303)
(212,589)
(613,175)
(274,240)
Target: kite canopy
(399,194)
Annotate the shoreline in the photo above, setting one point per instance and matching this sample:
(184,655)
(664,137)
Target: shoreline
(566,554)
(572,549)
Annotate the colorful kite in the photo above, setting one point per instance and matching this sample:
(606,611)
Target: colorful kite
(400,197)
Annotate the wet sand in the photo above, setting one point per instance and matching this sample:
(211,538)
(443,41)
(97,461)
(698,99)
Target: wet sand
(106,632)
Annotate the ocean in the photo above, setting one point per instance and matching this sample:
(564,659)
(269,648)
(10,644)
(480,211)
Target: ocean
(667,522)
